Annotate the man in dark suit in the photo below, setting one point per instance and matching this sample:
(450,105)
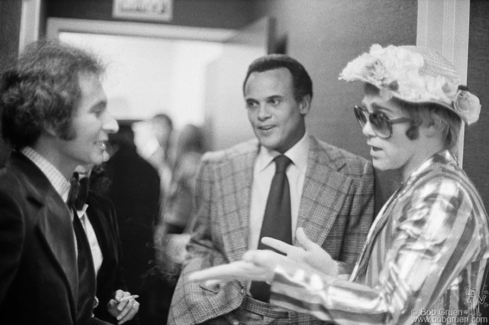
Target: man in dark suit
(54,115)
(331,198)
(135,192)
(98,216)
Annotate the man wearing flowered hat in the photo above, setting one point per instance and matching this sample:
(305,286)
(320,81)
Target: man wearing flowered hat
(427,250)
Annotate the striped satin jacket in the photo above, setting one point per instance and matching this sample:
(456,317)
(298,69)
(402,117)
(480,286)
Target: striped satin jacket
(423,261)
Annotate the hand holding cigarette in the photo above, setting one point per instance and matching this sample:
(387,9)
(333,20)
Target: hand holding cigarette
(123,306)
(128,298)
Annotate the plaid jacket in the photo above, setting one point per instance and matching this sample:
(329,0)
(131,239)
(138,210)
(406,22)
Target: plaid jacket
(336,211)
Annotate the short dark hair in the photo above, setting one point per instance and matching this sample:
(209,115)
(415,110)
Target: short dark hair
(302,82)
(42,88)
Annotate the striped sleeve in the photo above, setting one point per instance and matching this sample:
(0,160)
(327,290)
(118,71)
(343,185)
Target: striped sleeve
(432,243)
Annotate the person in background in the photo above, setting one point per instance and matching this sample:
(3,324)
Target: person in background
(135,193)
(161,156)
(172,234)
(98,217)
(179,207)
(325,190)
(54,116)
(427,250)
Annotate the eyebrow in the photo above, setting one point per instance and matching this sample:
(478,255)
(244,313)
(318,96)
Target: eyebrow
(378,107)
(100,104)
(275,97)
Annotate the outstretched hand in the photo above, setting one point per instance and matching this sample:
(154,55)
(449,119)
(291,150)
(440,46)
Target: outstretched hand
(257,265)
(309,253)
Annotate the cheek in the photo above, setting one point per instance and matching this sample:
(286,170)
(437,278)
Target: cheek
(251,116)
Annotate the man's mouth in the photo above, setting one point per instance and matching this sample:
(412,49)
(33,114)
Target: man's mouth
(265,127)
(102,144)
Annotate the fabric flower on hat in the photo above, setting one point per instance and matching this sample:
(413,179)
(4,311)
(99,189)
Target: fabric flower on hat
(468,105)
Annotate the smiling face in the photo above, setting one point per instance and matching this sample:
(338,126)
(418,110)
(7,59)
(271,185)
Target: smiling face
(276,116)
(91,126)
(397,152)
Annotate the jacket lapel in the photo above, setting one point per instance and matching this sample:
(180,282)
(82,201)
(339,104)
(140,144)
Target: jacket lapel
(237,178)
(55,225)
(323,194)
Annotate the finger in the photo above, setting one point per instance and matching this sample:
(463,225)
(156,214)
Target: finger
(278,245)
(123,304)
(303,240)
(130,315)
(221,272)
(214,284)
(127,308)
(119,294)
(258,256)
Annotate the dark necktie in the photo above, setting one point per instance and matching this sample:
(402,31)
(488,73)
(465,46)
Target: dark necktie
(277,219)
(86,272)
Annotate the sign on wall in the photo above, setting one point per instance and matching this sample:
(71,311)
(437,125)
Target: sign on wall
(158,10)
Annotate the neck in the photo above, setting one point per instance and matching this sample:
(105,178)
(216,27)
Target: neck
(425,152)
(49,152)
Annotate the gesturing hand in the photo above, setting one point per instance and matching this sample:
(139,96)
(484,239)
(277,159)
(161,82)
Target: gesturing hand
(309,253)
(256,265)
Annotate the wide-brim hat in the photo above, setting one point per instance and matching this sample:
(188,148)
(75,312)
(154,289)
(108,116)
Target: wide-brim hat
(414,74)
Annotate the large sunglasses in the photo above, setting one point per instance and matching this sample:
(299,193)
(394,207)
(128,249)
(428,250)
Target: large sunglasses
(381,124)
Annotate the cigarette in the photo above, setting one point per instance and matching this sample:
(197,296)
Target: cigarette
(128,297)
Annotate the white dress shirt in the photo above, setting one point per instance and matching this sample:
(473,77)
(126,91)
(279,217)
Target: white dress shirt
(92,238)
(264,171)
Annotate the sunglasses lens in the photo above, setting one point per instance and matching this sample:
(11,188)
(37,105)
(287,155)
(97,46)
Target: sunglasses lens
(360,116)
(380,124)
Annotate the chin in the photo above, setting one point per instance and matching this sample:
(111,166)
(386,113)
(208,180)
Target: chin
(379,165)
(96,160)
(268,144)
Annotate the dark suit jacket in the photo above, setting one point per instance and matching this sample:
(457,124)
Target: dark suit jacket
(102,216)
(38,270)
(135,194)
(336,212)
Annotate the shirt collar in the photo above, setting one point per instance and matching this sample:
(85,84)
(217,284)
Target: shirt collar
(298,154)
(443,157)
(81,213)
(59,182)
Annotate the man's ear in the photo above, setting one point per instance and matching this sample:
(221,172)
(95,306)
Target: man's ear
(305,104)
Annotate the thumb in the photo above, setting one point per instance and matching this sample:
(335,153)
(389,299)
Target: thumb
(303,240)
(118,295)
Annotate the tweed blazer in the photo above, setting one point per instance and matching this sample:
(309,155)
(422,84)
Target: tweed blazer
(336,211)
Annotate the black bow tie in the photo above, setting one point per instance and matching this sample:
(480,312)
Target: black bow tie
(74,188)
(78,193)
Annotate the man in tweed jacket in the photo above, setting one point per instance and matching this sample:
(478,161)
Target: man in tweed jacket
(331,197)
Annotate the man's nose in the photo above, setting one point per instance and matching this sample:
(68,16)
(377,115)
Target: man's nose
(110,124)
(263,112)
